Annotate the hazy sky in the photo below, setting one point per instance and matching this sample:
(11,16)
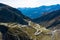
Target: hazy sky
(29,3)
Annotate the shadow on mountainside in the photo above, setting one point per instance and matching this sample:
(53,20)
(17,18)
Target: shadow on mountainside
(11,15)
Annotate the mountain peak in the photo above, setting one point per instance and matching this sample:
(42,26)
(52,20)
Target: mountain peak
(10,14)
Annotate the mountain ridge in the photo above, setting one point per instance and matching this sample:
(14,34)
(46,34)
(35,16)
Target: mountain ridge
(10,14)
(39,11)
(50,20)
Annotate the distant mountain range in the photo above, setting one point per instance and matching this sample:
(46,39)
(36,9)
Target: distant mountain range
(38,11)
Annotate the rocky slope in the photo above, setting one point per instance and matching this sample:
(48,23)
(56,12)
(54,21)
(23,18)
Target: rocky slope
(49,20)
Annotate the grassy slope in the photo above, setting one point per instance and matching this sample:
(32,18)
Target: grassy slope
(30,32)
